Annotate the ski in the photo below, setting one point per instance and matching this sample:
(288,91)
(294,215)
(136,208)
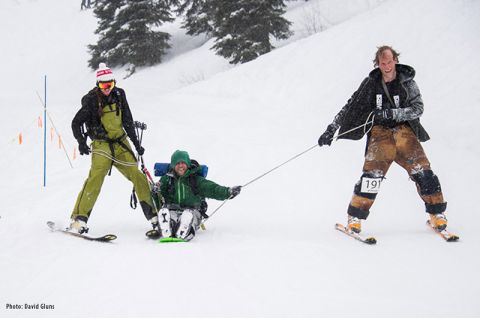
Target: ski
(171,240)
(446,235)
(367,240)
(104,238)
(155,235)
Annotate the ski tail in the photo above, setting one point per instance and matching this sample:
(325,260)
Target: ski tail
(104,238)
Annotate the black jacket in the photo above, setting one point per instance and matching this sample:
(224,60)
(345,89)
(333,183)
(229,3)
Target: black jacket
(363,102)
(89,114)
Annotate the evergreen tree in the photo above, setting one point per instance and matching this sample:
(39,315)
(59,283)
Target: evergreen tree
(243,28)
(107,30)
(198,15)
(128,35)
(140,44)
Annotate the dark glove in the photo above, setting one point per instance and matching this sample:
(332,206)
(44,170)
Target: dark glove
(83,147)
(203,209)
(384,117)
(234,191)
(327,137)
(140,150)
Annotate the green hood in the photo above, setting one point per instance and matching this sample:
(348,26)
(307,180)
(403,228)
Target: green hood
(179,156)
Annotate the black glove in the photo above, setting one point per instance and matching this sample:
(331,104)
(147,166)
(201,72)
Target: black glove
(203,209)
(384,117)
(234,191)
(83,147)
(327,137)
(140,150)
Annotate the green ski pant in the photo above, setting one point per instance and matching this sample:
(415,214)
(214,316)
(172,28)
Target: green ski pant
(100,167)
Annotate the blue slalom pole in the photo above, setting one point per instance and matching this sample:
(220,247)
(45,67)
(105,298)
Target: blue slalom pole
(45,135)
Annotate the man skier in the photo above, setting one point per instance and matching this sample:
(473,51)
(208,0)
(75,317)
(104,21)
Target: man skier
(389,95)
(108,120)
(183,191)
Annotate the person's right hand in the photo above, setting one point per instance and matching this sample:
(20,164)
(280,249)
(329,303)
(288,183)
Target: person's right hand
(327,137)
(83,148)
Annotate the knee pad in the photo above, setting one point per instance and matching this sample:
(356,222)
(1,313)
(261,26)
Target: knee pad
(435,208)
(369,184)
(358,213)
(427,182)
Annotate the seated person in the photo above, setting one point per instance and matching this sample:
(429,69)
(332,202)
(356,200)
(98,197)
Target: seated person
(183,189)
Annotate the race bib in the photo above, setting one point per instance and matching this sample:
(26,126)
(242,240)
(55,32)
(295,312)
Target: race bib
(371,185)
(396,100)
(379,101)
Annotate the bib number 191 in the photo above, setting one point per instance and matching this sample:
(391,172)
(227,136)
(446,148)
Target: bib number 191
(371,185)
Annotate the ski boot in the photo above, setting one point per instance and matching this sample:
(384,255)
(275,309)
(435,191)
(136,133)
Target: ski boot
(185,230)
(354,224)
(78,226)
(438,221)
(164,226)
(154,233)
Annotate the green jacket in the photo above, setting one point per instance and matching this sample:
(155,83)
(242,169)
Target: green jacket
(178,191)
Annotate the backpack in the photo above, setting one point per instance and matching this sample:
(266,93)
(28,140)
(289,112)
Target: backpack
(161,169)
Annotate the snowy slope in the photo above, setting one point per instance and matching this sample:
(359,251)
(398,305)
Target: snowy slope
(271,252)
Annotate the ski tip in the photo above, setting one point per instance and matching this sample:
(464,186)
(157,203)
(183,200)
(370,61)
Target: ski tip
(171,240)
(109,237)
(445,234)
(370,240)
(453,238)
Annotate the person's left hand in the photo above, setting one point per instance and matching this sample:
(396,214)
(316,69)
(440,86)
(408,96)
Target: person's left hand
(383,117)
(140,150)
(234,191)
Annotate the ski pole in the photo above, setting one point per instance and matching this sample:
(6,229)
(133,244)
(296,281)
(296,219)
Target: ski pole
(140,127)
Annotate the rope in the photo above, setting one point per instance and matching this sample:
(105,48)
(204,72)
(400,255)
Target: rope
(280,165)
(259,177)
(364,125)
(105,154)
(365,130)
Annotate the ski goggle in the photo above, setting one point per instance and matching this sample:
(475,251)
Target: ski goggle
(106,85)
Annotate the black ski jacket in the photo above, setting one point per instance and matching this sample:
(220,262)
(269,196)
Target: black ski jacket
(363,102)
(91,110)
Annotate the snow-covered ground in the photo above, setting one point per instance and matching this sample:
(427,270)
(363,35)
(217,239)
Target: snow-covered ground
(271,252)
